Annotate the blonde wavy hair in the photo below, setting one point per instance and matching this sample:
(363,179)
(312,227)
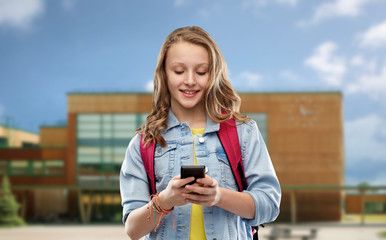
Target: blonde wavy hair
(221,101)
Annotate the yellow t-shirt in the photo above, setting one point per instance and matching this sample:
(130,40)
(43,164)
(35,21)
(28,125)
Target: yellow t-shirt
(197,228)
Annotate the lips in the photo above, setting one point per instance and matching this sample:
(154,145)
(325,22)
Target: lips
(189,91)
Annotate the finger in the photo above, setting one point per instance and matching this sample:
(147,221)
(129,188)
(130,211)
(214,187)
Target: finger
(192,188)
(176,177)
(192,197)
(185,181)
(204,190)
(196,184)
(210,182)
(198,199)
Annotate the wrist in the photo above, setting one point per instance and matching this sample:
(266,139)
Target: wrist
(164,202)
(219,200)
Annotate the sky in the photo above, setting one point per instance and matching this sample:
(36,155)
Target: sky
(49,48)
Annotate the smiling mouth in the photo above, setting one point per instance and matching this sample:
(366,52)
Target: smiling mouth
(189,91)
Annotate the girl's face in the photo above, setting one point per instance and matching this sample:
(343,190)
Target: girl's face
(186,68)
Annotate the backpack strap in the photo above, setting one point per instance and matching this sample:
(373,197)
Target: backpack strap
(230,141)
(147,155)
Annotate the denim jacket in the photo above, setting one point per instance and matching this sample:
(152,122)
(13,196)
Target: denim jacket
(263,184)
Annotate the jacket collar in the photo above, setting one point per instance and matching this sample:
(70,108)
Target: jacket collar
(172,122)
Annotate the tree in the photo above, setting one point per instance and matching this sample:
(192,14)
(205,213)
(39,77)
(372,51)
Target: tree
(8,206)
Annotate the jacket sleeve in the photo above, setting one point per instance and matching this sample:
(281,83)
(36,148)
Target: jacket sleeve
(263,184)
(133,179)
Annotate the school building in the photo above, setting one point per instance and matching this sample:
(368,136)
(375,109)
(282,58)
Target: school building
(75,170)
(12,137)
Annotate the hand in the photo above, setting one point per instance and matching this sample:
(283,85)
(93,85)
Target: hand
(204,192)
(173,194)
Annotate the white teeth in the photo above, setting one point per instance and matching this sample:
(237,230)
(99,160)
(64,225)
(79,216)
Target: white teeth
(189,92)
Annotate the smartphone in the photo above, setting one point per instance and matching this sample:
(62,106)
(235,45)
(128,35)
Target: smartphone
(196,171)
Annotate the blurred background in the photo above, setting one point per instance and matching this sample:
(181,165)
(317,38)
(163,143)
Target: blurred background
(76,81)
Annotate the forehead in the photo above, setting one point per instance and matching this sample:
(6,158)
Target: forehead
(186,52)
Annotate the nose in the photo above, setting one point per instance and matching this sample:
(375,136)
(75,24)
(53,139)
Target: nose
(190,78)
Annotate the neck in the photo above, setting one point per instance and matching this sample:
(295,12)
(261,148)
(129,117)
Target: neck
(195,117)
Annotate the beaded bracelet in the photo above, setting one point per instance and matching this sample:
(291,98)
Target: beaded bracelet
(154,203)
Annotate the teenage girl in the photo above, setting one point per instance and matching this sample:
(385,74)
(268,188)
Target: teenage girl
(192,95)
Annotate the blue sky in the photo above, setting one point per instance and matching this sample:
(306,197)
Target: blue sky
(50,48)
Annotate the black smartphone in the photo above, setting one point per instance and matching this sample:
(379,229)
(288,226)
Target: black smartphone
(196,171)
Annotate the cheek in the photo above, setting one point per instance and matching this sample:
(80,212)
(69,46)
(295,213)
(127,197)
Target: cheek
(169,80)
(203,82)
(172,84)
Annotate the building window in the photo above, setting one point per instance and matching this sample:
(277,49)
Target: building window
(374,207)
(38,168)
(29,145)
(3,142)
(19,168)
(261,121)
(32,167)
(102,140)
(53,167)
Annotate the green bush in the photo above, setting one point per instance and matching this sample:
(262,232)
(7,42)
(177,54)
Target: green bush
(9,207)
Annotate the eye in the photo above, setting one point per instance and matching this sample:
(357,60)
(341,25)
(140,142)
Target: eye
(201,73)
(178,72)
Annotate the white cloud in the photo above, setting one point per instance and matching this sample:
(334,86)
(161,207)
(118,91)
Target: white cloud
(359,62)
(246,80)
(371,83)
(330,66)
(337,8)
(149,86)
(249,79)
(365,139)
(20,13)
(260,3)
(374,37)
